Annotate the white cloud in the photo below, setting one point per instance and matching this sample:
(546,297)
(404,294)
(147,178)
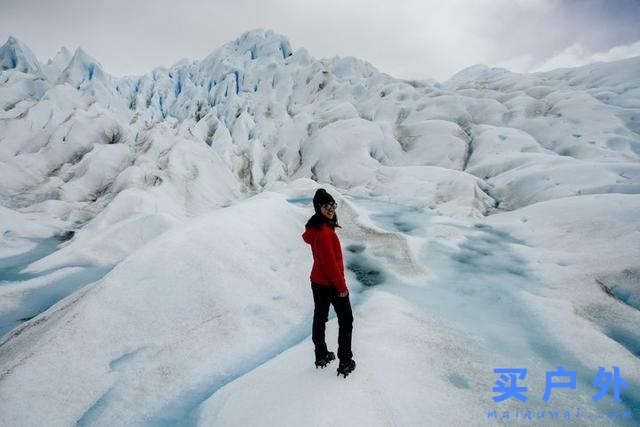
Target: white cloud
(577,55)
(618,52)
(573,56)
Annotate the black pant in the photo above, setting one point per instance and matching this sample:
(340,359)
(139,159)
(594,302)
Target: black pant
(322,297)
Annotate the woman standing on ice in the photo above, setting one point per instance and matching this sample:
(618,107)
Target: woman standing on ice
(328,283)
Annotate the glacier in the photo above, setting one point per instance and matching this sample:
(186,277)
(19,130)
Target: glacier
(152,270)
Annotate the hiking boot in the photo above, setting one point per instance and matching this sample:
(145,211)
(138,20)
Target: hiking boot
(346,367)
(324,361)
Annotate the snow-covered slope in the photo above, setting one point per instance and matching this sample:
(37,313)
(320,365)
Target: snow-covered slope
(150,250)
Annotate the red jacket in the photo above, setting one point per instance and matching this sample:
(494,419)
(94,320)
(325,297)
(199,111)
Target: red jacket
(328,267)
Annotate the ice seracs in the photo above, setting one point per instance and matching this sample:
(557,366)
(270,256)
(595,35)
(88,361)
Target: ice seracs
(15,55)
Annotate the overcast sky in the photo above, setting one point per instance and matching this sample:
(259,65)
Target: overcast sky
(408,39)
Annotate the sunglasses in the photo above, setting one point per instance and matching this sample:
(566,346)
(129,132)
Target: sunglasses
(330,206)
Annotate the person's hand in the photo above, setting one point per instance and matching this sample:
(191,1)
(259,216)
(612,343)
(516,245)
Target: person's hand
(344,294)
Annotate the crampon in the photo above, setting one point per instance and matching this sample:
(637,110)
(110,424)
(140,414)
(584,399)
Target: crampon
(324,361)
(346,367)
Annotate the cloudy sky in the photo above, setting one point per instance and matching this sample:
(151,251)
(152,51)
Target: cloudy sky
(406,38)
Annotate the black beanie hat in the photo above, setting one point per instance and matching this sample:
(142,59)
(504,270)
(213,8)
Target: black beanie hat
(321,197)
